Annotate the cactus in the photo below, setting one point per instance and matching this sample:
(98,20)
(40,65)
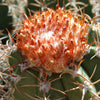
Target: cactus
(52,54)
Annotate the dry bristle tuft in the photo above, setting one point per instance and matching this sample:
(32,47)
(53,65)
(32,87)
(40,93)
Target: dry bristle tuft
(53,39)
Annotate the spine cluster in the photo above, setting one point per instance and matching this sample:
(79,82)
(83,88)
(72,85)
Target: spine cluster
(53,39)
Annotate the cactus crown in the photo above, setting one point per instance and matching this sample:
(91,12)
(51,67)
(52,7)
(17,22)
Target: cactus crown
(53,39)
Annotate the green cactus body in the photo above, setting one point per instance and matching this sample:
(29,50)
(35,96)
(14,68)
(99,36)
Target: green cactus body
(29,88)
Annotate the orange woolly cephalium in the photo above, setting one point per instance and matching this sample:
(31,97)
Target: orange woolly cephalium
(53,39)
